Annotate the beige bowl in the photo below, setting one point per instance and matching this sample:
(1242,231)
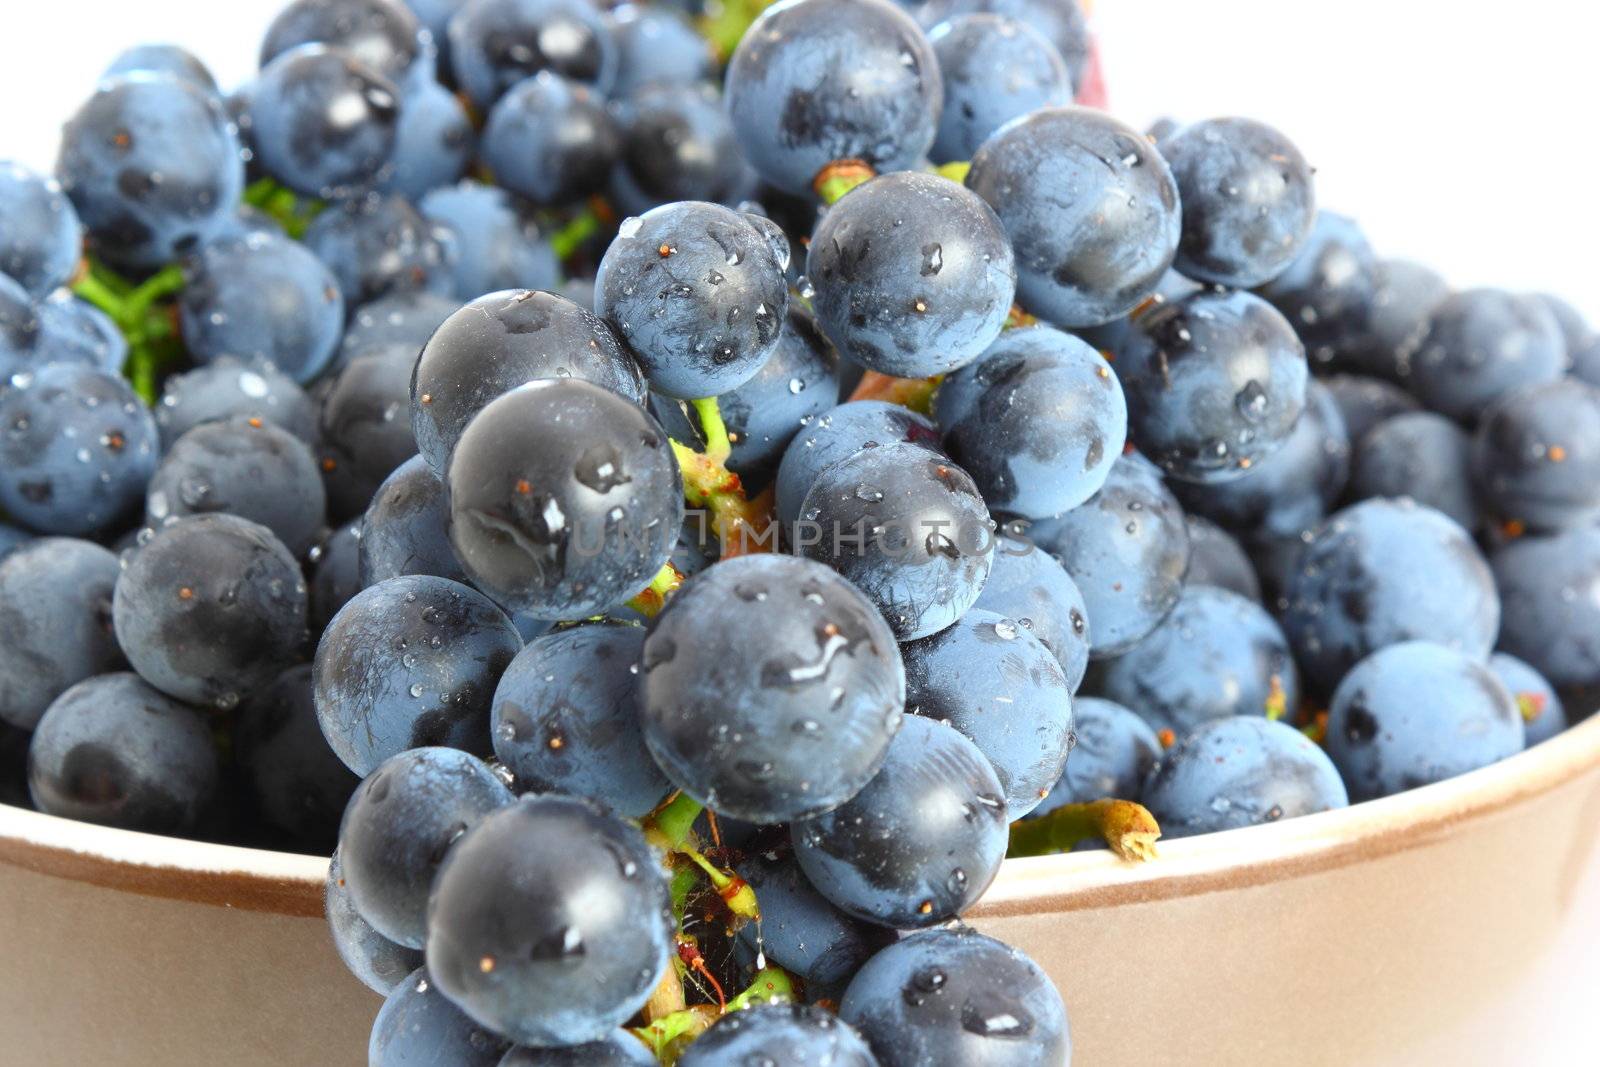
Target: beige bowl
(1457,924)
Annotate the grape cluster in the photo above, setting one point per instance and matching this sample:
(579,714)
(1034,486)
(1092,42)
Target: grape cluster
(671,495)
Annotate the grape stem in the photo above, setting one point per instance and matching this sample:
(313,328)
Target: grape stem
(668,1035)
(839,177)
(671,829)
(914,393)
(139,312)
(569,238)
(1128,828)
(293,213)
(742,525)
(653,597)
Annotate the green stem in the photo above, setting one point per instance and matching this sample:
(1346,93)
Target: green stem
(956,172)
(158,286)
(1128,828)
(839,177)
(718,446)
(93,288)
(570,237)
(772,985)
(674,821)
(650,600)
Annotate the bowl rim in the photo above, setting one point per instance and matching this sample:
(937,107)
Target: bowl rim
(291,884)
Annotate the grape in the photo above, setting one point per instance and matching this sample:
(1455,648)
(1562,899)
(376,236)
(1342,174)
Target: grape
(1481,345)
(498,342)
(794,1034)
(379,963)
(1537,455)
(697,292)
(1028,585)
(77,449)
(242,466)
(1113,756)
(376,245)
(400,825)
(55,623)
(1240,771)
(1216,655)
(550,922)
(921,842)
(1039,419)
(771,688)
(434,142)
(1533,695)
(913,275)
(1404,297)
(996,68)
(839,434)
(494,240)
(794,114)
(403,319)
(1060,21)
(1003,690)
(418,1027)
(324,123)
(1216,559)
(657,47)
(295,782)
(494,44)
(228,387)
(955,998)
(263,299)
(1248,205)
(550,140)
(25,344)
(111,750)
(676,143)
(363,428)
(1127,549)
(1549,617)
(1215,383)
(1091,257)
(1382,572)
(1328,292)
(618,1049)
(75,331)
(567,718)
(166,59)
(1417,712)
(1365,402)
(403,531)
(335,573)
(565,498)
(43,240)
(211,607)
(153,167)
(1422,456)
(411,662)
(380,33)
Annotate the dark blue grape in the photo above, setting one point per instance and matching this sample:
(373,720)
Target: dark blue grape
(403,531)
(1003,690)
(1549,615)
(567,719)
(1483,344)
(1422,456)
(1216,559)
(1543,715)
(656,47)
(1030,586)
(1328,292)
(43,239)
(771,689)
(380,33)
(75,331)
(1060,21)
(498,342)
(400,320)
(676,143)
(839,434)
(295,782)
(550,922)
(795,1035)
(1575,329)
(376,245)
(908,528)
(1240,771)
(995,69)
(365,435)
(1382,572)
(153,166)
(1404,297)
(76,449)
(1216,655)
(795,114)
(913,275)
(1537,455)
(324,123)
(565,499)
(494,44)
(242,466)
(494,240)
(620,1049)
(409,663)
(335,573)
(550,140)
(698,293)
(229,387)
(956,998)
(112,750)
(22,344)
(1215,383)
(1248,204)
(1112,758)
(1365,402)
(211,607)
(1091,257)
(168,59)
(923,840)
(55,623)
(1127,549)
(418,1026)
(11,538)
(263,299)
(1038,420)
(800,931)
(379,963)
(400,825)
(434,141)
(1416,713)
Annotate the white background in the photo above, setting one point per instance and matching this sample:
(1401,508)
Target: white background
(1460,133)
